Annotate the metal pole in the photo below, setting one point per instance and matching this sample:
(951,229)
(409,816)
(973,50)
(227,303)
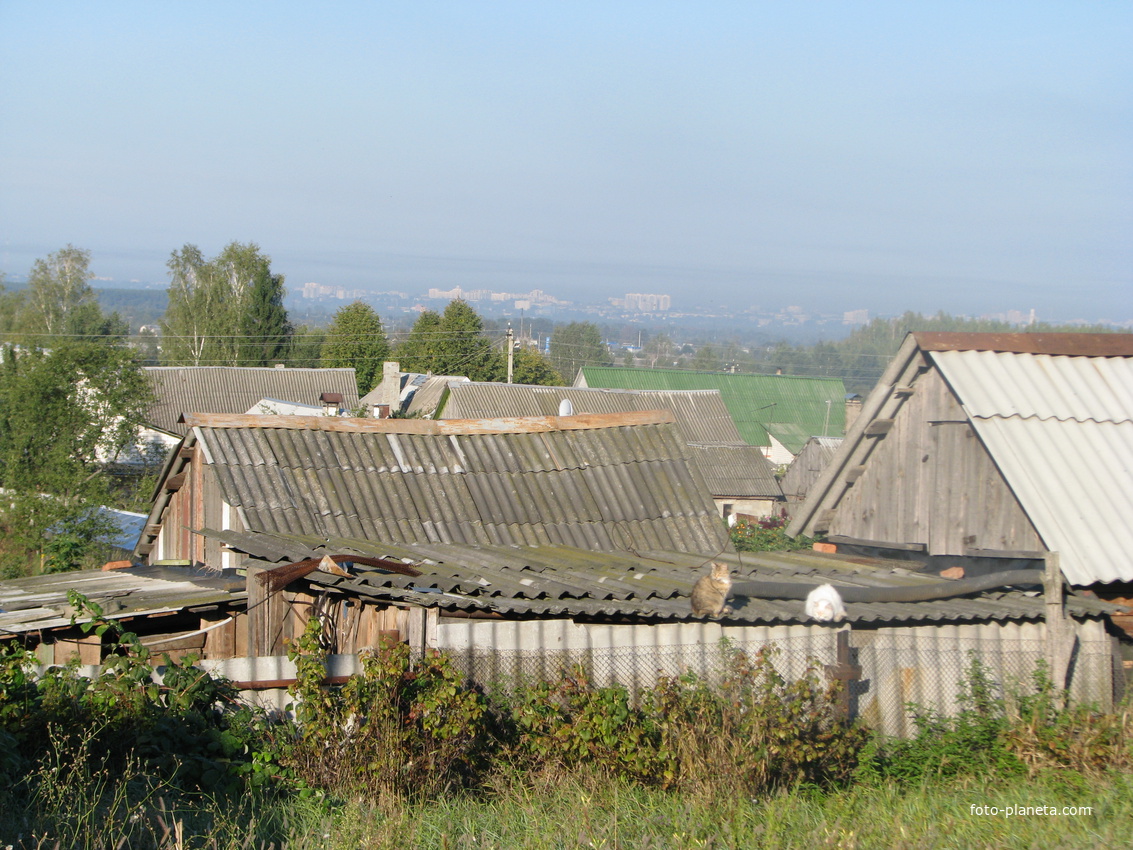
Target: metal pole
(510,353)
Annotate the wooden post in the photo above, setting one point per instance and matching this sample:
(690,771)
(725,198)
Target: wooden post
(1059,631)
(844,671)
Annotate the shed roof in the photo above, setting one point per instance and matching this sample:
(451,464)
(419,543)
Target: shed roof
(560,581)
(790,408)
(731,468)
(41,602)
(619,481)
(1055,412)
(235,389)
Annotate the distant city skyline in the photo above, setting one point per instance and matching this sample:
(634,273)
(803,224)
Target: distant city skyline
(964,157)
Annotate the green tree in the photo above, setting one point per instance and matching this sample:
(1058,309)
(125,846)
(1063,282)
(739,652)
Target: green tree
(706,359)
(266,328)
(658,348)
(419,351)
(530,367)
(578,344)
(465,349)
(57,286)
(59,302)
(306,347)
(214,305)
(356,338)
(452,344)
(63,416)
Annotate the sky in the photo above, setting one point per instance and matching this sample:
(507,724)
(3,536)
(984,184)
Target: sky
(889,156)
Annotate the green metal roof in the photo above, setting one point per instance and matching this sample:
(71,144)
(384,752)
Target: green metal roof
(792,409)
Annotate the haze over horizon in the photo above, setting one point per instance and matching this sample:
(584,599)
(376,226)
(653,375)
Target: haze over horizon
(959,157)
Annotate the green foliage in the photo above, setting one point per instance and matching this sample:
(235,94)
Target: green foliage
(571,722)
(59,304)
(578,344)
(969,743)
(264,324)
(531,367)
(184,732)
(63,416)
(706,360)
(224,311)
(403,727)
(860,359)
(753,732)
(306,347)
(356,339)
(451,344)
(768,534)
(1026,731)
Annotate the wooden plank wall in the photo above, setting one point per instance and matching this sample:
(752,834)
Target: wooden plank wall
(931,481)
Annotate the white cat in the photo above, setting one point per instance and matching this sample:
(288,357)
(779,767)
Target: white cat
(825,605)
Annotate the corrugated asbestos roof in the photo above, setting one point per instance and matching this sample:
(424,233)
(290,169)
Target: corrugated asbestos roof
(418,393)
(602,482)
(235,389)
(792,409)
(731,468)
(1060,428)
(559,581)
(40,602)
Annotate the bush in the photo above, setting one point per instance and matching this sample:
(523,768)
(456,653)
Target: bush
(752,732)
(401,728)
(766,535)
(985,738)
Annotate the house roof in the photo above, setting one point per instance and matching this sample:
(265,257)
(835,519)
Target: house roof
(419,393)
(235,389)
(561,581)
(612,482)
(731,468)
(790,408)
(41,602)
(1054,411)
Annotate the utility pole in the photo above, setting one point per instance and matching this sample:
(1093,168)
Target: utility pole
(510,353)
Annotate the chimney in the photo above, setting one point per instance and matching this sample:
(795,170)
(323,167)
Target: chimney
(332,403)
(389,398)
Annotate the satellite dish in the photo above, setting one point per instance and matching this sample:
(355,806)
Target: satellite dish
(566,408)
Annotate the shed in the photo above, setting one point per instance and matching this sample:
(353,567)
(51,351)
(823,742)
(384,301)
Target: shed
(505,613)
(605,482)
(992,447)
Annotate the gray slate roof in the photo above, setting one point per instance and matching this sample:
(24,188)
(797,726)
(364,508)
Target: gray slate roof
(558,581)
(602,483)
(40,602)
(235,389)
(730,467)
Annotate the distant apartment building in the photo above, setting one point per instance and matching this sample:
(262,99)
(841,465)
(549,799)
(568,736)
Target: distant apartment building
(855,317)
(647,302)
(322,290)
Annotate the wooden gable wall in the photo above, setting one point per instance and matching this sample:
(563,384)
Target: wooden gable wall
(930,481)
(196,503)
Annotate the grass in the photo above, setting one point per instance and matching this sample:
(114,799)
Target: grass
(586,810)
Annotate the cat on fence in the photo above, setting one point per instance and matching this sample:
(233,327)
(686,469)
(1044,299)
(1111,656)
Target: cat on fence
(710,593)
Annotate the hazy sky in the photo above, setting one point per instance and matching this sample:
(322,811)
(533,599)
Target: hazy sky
(970,157)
